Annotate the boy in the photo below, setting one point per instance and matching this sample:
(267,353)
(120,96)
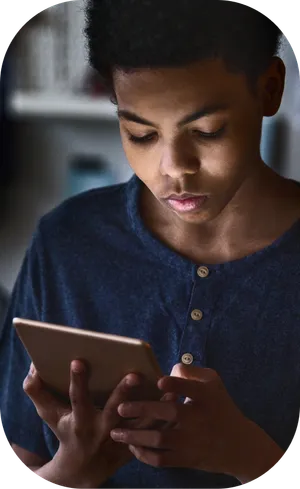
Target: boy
(198,254)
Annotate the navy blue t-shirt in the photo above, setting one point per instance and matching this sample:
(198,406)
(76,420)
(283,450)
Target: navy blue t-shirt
(92,264)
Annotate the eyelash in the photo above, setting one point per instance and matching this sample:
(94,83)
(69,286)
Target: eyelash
(199,134)
(141,140)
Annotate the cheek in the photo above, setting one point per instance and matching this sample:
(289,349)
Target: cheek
(144,161)
(221,161)
(235,155)
(224,167)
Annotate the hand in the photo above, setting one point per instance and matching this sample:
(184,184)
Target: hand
(87,456)
(208,431)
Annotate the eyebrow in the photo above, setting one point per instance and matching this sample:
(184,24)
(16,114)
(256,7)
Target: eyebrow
(204,111)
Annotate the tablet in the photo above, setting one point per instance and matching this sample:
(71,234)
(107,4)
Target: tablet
(109,358)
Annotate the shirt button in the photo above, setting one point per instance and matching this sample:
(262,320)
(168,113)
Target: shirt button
(187,358)
(203,272)
(197,315)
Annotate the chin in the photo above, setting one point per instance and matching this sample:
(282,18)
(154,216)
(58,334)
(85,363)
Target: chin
(195,217)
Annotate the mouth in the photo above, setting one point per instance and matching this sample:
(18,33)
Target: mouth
(184,196)
(186,202)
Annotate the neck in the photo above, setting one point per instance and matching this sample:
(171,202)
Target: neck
(262,209)
(243,214)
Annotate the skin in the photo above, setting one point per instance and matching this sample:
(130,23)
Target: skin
(87,456)
(207,432)
(244,211)
(248,206)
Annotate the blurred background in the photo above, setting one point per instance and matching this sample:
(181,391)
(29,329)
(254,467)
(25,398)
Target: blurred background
(60,135)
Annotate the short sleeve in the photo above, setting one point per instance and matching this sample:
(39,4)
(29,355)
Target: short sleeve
(20,421)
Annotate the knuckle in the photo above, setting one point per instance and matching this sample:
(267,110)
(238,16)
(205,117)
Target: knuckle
(78,381)
(75,395)
(81,431)
(82,402)
(27,384)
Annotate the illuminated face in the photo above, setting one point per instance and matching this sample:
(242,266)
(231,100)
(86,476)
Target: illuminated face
(190,130)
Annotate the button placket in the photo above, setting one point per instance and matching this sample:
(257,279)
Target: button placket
(195,334)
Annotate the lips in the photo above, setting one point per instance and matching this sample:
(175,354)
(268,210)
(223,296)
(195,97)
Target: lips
(181,197)
(186,203)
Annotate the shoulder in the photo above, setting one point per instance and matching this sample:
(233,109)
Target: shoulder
(93,209)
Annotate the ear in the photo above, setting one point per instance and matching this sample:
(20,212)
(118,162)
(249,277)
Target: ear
(272,86)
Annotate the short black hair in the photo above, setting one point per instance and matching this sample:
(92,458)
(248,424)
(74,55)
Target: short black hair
(133,34)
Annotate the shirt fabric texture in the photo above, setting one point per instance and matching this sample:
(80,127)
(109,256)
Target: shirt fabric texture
(92,264)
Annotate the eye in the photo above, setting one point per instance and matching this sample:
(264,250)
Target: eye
(211,135)
(148,138)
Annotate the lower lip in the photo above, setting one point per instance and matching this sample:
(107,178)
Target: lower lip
(187,205)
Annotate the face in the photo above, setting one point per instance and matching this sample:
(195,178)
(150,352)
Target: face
(192,134)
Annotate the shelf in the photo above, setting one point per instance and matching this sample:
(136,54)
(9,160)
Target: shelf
(61,106)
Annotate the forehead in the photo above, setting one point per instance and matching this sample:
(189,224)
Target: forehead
(202,82)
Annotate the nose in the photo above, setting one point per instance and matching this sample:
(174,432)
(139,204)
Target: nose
(178,160)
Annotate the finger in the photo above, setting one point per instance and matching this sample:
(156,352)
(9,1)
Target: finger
(156,458)
(187,372)
(48,407)
(193,373)
(81,402)
(149,422)
(169,397)
(162,440)
(165,411)
(152,457)
(139,389)
(192,389)
(110,416)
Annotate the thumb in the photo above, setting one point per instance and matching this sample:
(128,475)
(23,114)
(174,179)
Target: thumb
(48,407)
(191,372)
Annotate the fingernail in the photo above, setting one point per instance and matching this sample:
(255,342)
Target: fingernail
(132,380)
(121,409)
(77,367)
(117,435)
